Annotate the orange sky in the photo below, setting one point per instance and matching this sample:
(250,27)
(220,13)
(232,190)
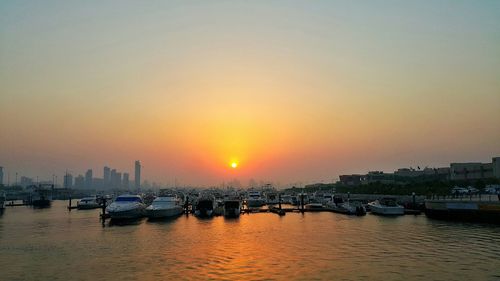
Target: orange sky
(293,93)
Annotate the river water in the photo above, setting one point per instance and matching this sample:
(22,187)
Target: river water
(55,244)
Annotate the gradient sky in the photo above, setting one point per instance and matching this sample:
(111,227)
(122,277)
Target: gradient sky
(295,91)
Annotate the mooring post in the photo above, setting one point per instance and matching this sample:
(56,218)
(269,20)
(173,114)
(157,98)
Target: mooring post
(302,202)
(186,205)
(103,209)
(414,201)
(279,200)
(69,204)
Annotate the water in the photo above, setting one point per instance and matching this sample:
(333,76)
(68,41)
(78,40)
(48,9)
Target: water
(54,244)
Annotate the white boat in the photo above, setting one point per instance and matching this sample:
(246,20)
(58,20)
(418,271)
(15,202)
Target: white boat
(255,199)
(232,208)
(2,201)
(286,199)
(88,203)
(386,206)
(205,206)
(272,198)
(164,206)
(126,207)
(41,195)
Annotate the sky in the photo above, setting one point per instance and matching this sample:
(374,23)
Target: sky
(291,91)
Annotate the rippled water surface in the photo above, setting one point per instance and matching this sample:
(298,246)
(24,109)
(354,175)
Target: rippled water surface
(54,244)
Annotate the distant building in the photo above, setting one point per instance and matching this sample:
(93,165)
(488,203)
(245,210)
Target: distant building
(98,183)
(107,175)
(80,181)
(1,175)
(350,179)
(496,167)
(137,174)
(88,178)
(112,178)
(471,171)
(378,177)
(68,180)
(125,181)
(25,181)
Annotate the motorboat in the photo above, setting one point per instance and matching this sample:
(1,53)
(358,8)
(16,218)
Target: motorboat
(272,198)
(314,206)
(286,199)
(41,196)
(386,206)
(205,206)
(351,208)
(2,201)
(87,203)
(255,199)
(232,208)
(126,206)
(164,206)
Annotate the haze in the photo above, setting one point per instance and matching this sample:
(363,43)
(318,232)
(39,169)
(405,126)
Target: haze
(292,91)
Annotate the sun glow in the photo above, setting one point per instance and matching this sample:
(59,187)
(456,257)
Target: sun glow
(234,165)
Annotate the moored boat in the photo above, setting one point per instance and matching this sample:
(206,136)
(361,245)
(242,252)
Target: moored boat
(386,206)
(205,206)
(126,207)
(87,203)
(255,199)
(232,208)
(164,206)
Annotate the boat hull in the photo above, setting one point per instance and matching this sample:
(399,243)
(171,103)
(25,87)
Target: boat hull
(88,206)
(387,211)
(128,214)
(163,213)
(41,203)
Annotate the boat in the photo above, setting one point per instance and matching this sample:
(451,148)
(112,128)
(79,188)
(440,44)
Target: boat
(87,203)
(286,199)
(41,196)
(272,198)
(314,206)
(232,208)
(2,201)
(386,206)
(126,206)
(255,199)
(164,206)
(205,206)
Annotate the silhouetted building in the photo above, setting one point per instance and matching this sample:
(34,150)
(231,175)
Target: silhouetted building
(88,178)
(125,181)
(68,180)
(350,179)
(80,181)
(1,175)
(496,167)
(137,174)
(107,175)
(471,171)
(25,181)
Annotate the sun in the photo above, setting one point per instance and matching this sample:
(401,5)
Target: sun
(234,165)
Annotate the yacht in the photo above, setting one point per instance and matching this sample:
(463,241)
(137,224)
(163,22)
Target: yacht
(164,206)
(41,196)
(386,206)
(205,206)
(272,198)
(286,199)
(314,206)
(126,207)
(2,201)
(255,199)
(232,208)
(88,203)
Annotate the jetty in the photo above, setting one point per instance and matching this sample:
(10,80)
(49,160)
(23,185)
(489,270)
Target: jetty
(473,208)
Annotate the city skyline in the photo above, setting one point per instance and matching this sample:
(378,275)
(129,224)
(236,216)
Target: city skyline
(303,94)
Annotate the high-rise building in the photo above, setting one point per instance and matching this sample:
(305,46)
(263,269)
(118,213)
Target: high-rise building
(112,178)
(80,181)
(25,181)
(88,178)
(125,181)
(68,180)
(137,178)
(1,175)
(107,175)
(117,181)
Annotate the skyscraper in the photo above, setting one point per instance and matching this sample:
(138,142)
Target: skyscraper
(88,178)
(125,181)
(107,175)
(1,175)
(79,181)
(137,174)
(112,178)
(68,180)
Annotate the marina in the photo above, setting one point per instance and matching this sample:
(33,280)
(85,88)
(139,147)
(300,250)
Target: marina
(313,245)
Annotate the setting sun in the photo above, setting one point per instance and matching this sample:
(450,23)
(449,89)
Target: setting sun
(234,165)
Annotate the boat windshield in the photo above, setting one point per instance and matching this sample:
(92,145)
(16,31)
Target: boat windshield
(128,199)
